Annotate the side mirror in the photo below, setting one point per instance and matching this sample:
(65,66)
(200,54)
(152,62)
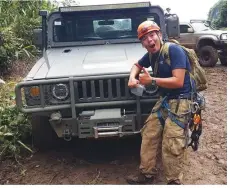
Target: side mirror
(172,26)
(207,23)
(37,37)
(190,30)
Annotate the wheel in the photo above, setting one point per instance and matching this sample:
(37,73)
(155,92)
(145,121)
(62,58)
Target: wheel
(208,56)
(44,137)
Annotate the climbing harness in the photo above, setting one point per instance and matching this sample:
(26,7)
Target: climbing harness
(194,124)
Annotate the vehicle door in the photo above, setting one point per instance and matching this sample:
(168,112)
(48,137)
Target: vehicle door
(187,36)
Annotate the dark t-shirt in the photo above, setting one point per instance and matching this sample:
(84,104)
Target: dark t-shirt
(179,60)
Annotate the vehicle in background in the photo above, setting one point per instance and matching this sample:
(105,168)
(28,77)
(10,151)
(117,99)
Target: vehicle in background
(209,43)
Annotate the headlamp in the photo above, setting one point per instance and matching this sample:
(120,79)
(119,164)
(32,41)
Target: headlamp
(60,91)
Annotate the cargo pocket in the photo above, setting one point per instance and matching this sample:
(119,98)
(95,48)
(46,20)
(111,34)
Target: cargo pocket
(174,138)
(176,145)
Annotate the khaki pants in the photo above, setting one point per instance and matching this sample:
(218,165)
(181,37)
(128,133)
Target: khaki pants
(173,143)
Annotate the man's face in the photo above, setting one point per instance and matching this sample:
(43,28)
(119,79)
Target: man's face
(152,41)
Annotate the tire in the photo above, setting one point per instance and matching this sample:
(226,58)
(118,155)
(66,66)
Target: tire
(208,56)
(223,61)
(44,137)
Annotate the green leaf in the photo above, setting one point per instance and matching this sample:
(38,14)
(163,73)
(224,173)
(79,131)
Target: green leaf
(25,146)
(6,134)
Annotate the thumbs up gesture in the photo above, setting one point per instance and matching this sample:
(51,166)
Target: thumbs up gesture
(145,78)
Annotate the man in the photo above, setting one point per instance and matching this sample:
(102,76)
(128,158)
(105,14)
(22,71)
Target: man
(175,89)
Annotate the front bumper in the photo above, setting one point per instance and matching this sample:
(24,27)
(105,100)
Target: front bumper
(97,124)
(221,44)
(76,122)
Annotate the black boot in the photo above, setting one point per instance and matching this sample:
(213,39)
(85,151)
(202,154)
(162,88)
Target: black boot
(139,179)
(174,182)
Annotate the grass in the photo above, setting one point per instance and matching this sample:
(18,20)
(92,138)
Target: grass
(15,127)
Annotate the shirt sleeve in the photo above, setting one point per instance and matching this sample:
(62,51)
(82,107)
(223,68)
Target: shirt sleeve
(144,61)
(178,58)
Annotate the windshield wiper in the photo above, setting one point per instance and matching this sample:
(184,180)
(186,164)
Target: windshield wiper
(92,38)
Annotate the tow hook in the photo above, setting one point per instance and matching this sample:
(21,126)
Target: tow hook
(67,135)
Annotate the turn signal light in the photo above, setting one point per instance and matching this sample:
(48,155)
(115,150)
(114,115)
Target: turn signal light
(34,91)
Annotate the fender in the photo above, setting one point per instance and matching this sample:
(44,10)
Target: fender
(212,38)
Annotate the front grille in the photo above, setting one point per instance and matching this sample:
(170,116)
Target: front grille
(86,90)
(102,90)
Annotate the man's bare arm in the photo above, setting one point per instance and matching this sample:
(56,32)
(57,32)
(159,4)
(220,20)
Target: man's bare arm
(176,81)
(135,70)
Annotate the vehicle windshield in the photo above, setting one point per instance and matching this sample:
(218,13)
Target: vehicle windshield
(114,25)
(201,27)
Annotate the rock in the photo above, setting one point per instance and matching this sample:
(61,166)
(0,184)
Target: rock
(221,161)
(216,147)
(216,172)
(213,157)
(201,160)
(208,155)
(225,168)
(223,164)
(217,158)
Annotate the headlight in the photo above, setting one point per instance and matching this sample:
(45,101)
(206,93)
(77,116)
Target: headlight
(60,91)
(223,36)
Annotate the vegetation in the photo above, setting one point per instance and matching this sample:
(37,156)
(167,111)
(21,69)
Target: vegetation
(218,14)
(17,21)
(14,125)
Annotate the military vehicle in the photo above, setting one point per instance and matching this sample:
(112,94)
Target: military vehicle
(209,43)
(79,88)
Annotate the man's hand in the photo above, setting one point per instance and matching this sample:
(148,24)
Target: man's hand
(133,82)
(145,78)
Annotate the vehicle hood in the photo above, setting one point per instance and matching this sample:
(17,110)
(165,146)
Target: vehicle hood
(213,32)
(87,61)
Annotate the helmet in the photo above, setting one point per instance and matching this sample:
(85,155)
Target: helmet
(146,27)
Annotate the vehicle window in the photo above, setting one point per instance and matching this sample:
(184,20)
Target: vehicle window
(184,28)
(201,27)
(112,27)
(86,28)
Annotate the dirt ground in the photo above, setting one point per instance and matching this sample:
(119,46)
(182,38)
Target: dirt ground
(109,161)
